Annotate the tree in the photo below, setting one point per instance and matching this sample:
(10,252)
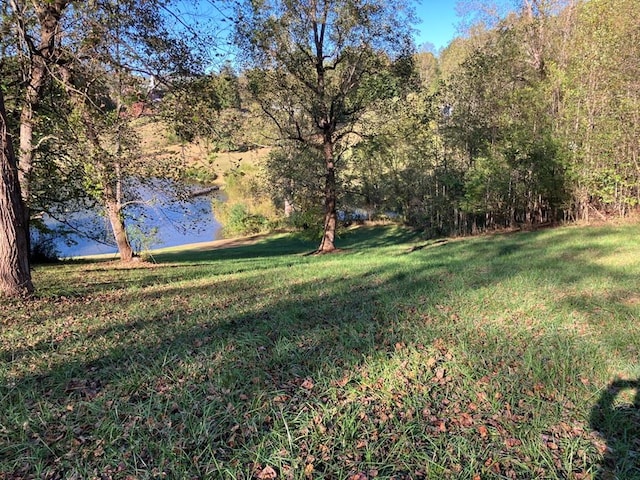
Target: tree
(86,50)
(15,275)
(37,28)
(317,66)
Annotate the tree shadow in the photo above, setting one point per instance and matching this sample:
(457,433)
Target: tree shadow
(191,357)
(616,417)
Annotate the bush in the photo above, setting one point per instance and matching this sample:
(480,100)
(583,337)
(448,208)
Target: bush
(308,223)
(237,221)
(43,249)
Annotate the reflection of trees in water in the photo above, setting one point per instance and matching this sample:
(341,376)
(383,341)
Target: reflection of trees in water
(158,213)
(616,417)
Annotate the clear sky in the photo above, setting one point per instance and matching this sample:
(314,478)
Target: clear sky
(438,24)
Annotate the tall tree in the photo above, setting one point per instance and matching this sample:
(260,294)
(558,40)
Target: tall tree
(103,43)
(317,66)
(15,275)
(38,32)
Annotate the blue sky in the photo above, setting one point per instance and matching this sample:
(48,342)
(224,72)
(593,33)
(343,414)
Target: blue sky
(438,24)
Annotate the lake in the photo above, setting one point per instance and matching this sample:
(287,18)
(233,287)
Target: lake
(156,220)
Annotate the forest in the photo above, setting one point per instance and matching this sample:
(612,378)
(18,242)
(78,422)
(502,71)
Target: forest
(526,119)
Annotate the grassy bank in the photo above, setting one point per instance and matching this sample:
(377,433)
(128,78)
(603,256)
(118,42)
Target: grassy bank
(512,356)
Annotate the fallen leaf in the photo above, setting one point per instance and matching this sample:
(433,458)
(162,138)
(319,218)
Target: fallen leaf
(482,430)
(512,442)
(307,384)
(359,476)
(308,470)
(343,381)
(267,473)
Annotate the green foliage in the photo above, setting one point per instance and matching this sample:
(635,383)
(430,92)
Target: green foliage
(237,221)
(200,174)
(307,222)
(247,208)
(192,108)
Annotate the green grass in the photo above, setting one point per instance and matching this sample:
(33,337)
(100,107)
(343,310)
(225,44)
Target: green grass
(507,356)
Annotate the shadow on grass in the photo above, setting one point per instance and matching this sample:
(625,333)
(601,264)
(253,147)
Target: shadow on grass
(616,417)
(209,355)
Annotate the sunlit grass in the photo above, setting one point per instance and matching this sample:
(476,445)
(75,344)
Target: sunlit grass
(394,358)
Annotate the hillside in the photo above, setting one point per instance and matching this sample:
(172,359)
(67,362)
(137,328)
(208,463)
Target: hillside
(158,142)
(507,356)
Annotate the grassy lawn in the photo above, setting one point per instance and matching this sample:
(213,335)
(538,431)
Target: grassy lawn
(509,356)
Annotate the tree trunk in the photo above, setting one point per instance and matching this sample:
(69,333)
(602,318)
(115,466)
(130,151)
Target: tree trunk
(330,214)
(113,204)
(15,274)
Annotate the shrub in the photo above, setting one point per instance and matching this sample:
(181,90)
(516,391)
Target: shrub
(237,220)
(43,249)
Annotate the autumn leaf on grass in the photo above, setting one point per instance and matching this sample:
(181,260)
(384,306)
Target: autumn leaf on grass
(359,476)
(482,430)
(307,384)
(267,473)
(512,442)
(308,470)
(342,382)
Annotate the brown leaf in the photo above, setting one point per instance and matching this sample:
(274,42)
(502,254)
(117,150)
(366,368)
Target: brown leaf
(358,476)
(466,420)
(267,473)
(512,442)
(308,470)
(307,384)
(343,381)
(482,430)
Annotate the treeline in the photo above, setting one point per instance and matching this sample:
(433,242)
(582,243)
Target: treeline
(533,121)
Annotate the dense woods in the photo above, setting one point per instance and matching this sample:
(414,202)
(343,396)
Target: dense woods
(528,119)
(532,121)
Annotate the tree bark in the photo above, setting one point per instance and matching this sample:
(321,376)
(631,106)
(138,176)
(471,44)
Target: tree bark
(327,243)
(114,212)
(15,274)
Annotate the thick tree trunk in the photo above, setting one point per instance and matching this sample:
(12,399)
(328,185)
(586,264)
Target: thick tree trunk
(330,216)
(15,274)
